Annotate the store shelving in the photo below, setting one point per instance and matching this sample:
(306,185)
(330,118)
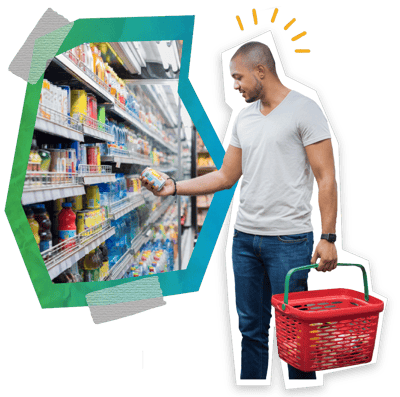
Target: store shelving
(50,193)
(121,267)
(53,128)
(118,160)
(66,254)
(142,238)
(70,64)
(153,133)
(122,207)
(159,211)
(73,66)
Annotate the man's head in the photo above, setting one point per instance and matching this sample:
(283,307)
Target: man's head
(251,65)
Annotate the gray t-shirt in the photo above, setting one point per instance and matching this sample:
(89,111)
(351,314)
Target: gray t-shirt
(277,178)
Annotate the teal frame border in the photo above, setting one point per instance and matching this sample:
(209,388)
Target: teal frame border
(113,30)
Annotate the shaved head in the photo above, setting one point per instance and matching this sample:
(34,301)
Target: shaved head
(255,53)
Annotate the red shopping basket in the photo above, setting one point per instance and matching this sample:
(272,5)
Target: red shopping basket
(326,329)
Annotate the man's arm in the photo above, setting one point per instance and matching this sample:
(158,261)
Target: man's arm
(320,156)
(224,178)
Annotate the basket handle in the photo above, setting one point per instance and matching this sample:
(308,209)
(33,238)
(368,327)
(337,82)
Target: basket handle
(313,266)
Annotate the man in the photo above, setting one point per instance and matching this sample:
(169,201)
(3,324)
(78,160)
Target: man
(279,143)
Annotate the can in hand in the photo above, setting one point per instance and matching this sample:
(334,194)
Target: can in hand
(153,175)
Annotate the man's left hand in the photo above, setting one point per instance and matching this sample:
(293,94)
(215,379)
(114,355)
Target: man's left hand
(327,252)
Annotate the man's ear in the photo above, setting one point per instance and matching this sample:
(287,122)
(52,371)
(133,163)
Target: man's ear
(261,71)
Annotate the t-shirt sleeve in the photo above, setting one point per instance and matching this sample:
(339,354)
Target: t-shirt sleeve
(313,126)
(235,139)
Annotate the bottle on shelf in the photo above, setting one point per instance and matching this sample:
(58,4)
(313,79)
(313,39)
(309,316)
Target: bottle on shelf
(43,219)
(34,225)
(66,225)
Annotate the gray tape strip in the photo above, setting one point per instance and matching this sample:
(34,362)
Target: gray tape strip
(102,314)
(49,22)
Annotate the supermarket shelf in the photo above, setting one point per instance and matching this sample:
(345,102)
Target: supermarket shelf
(140,239)
(146,193)
(139,125)
(127,205)
(93,179)
(126,160)
(141,159)
(159,211)
(203,151)
(57,267)
(51,193)
(121,267)
(69,66)
(166,169)
(53,128)
(203,207)
(162,108)
(117,160)
(144,236)
(101,135)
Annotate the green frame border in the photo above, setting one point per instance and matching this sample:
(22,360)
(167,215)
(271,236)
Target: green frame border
(101,30)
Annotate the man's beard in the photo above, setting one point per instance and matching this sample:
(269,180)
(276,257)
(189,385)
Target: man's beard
(256,92)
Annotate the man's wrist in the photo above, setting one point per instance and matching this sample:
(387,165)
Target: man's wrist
(175,188)
(330,237)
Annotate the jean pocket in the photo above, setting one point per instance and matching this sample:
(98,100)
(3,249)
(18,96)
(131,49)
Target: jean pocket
(235,233)
(293,238)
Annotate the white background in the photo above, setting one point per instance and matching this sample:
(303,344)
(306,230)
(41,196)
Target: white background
(343,277)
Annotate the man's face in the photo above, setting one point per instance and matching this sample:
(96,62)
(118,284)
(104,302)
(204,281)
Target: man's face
(245,80)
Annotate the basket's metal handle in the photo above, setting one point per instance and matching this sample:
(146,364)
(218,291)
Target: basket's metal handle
(313,266)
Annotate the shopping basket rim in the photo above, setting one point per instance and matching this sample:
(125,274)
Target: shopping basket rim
(373,306)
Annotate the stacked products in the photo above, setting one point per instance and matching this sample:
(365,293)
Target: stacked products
(59,166)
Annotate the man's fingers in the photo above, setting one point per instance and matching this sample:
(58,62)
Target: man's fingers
(314,258)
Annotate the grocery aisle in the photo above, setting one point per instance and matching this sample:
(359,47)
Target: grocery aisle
(107,111)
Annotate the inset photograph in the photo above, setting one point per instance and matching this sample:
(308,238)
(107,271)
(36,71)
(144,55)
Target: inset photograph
(109,112)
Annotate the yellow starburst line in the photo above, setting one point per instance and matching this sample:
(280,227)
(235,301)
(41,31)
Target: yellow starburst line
(290,24)
(302,51)
(255,16)
(239,22)
(299,36)
(274,15)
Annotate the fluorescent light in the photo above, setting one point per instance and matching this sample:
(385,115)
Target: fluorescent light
(163,49)
(129,52)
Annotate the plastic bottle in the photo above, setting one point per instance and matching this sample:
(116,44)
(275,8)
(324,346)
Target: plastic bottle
(66,224)
(92,264)
(43,219)
(34,225)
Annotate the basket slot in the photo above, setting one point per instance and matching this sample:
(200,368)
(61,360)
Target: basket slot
(326,345)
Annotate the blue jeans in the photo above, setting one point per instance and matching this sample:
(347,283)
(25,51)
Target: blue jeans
(260,265)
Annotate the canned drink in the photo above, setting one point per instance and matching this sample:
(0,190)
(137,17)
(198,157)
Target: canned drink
(92,110)
(153,175)
(78,104)
(83,223)
(92,197)
(92,157)
(77,203)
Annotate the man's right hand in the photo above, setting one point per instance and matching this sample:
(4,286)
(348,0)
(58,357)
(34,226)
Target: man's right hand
(167,190)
